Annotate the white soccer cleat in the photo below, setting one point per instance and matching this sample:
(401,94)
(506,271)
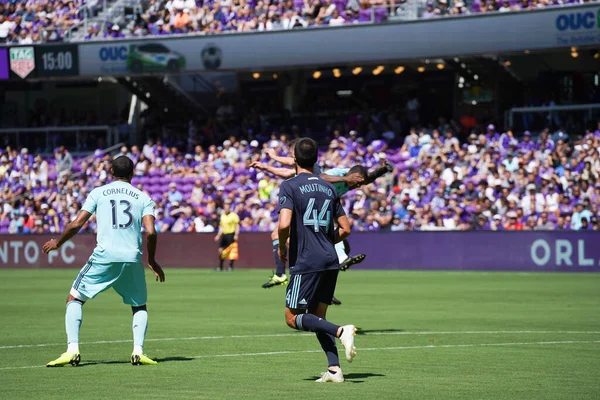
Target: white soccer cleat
(347,340)
(338,377)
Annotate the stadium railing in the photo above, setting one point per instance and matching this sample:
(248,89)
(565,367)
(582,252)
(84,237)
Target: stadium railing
(55,136)
(587,109)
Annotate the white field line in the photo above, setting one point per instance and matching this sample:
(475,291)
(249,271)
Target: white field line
(270,353)
(175,339)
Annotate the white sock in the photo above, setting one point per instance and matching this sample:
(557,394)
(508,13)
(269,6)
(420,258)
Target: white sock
(73,317)
(73,347)
(341,251)
(140,324)
(137,349)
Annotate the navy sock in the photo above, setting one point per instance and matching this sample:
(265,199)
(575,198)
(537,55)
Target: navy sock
(312,323)
(328,345)
(279,265)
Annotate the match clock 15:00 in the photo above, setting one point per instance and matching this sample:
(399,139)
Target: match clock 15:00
(57,60)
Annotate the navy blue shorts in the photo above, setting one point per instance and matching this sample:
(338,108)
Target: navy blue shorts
(306,291)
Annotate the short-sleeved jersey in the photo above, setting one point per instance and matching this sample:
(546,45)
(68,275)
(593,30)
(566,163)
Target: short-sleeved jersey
(315,205)
(119,209)
(340,187)
(229,222)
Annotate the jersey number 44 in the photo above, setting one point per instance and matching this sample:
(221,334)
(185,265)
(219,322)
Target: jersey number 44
(311,218)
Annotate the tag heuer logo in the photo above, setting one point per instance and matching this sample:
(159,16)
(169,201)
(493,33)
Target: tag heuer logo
(22,61)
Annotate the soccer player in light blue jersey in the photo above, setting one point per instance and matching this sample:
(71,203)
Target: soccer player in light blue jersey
(121,211)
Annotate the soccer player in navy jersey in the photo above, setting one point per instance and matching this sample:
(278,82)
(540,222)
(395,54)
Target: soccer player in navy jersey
(308,207)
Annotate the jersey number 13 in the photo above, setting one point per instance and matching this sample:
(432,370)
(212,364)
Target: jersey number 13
(125,208)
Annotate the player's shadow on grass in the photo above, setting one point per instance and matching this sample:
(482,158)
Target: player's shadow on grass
(352,378)
(360,331)
(159,360)
(168,359)
(112,362)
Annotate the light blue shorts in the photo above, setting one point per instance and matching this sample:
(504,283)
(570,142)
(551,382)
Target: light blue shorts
(127,279)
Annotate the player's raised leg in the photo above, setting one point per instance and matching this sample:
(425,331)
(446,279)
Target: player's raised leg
(342,249)
(307,298)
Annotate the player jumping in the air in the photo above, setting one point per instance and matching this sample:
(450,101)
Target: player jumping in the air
(308,207)
(344,180)
(116,262)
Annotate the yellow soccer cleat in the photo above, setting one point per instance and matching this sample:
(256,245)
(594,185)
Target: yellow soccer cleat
(276,280)
(141,359)
(66,358)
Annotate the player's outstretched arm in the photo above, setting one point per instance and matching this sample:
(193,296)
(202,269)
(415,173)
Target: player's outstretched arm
(287,161)
(285,173)
(151,241)
(352,180)
(70,230)
(285,223)
(387,167)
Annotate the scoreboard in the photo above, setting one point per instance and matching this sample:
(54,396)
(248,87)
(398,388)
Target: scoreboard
(27,62)
(57,60)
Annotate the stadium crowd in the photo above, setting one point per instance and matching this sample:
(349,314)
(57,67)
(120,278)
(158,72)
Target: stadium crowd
(493,181)
(26,22)
(211,17)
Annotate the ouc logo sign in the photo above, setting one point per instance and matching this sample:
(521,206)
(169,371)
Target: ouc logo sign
(115,53)
(578,20)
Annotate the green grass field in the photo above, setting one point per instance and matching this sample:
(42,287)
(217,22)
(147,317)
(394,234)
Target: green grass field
(424,335)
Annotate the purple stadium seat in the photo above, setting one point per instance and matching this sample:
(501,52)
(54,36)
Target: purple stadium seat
(364,15)
(380,15)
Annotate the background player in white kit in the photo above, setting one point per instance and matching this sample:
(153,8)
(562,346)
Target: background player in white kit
(116,262)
